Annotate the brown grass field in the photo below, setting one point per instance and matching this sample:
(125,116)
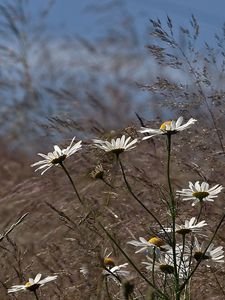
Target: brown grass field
(46,242)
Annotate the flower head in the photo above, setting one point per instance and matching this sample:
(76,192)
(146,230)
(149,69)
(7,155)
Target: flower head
(148,246)
(116,146)
(33,284)
(168,127)
(164,262)
(189,226)
(200,192)
(212,254)
(116,272)
(56,157)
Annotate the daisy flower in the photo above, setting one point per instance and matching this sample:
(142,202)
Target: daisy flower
(116,146)
(200,192)
(33,284)
(212,254)
(111,270)
(189,226)
(56,157)
(164,263)
(116,272)
(148,246)
(168,127)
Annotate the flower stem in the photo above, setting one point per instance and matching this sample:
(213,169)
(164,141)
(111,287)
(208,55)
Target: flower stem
(36,296)
(200,210)
(172,206)
(71,181)
(139,201)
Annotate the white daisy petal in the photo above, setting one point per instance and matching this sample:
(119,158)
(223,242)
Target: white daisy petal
(32,284)
(200,192)
(116,146)
(168,127)
(57,156)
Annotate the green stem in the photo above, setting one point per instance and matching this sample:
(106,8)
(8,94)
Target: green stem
(200,210)
(71,181)
(173,215)
(139,201)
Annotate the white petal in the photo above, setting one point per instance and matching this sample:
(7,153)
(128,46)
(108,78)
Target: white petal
(37,278)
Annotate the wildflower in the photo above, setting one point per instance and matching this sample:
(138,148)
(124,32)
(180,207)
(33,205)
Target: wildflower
(212,254)
(164,262)
(57,156)
(116,146)
(188,227)
(116,272)
(168,127)
(111,270)
(146,246)
(200,192)
(33,284)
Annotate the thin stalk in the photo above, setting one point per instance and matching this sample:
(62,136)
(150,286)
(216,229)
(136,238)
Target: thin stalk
(173,215)
(106,182)
(172,203)
(71,181)
(182,255)
(35,294)
(220,286)
(153,267)
(200,210)
(131,262)
(139,201)
(114,275)
(203,254)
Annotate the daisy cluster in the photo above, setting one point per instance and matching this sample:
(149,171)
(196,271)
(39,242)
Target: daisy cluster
(174,252)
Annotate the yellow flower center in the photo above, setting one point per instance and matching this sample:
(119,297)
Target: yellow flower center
(200,195)
(163,126)
(156,241)
(28,284)
(108,262)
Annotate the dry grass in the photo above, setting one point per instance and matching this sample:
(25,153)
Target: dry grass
(49,244)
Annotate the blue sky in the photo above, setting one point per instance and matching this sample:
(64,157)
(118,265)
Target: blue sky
(69,17)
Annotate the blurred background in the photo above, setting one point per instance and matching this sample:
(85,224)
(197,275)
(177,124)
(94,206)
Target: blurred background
(85,67)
